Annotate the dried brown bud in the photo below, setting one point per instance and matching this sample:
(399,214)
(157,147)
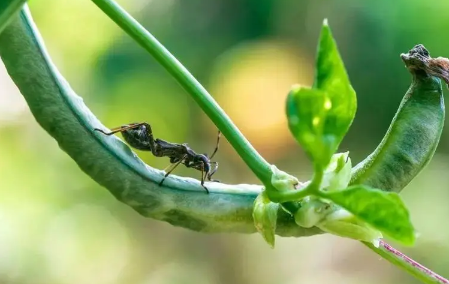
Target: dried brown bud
(418,58)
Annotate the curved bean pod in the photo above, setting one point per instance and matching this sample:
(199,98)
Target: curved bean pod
(414,133)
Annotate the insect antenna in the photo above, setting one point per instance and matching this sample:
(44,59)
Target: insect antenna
(120,128)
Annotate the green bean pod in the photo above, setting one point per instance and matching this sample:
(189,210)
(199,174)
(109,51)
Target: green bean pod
(413,135)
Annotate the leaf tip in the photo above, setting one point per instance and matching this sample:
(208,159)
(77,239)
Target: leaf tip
(295,88)
(412,240)
(408,242)
(406,238)
(325,22)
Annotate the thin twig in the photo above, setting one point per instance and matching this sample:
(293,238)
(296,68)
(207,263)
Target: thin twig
(414,268)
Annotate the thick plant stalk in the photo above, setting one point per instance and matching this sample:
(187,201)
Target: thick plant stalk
(414,268)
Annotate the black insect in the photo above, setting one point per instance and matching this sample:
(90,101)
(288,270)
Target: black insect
(140,136)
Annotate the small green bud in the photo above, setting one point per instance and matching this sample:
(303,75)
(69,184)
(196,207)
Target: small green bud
(283,181)
(312,212)
(265,217)
(338,173)
(344,224)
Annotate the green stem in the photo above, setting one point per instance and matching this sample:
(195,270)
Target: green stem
(292,196)
(246,151)
(412,267)
(9,8)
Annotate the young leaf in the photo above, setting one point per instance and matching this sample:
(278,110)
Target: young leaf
(307,112)
(331,78)
(265,217)
(320,117)
(382,210)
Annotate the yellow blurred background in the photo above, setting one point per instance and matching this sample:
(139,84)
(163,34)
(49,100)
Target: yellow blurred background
(58,226)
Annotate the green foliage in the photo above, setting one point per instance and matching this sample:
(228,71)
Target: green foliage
(320,117)
(265,217)
(307,114)
(331,78)
(382,210)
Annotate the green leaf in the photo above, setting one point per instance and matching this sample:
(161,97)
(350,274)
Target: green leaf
(320,117)
(265,217)
(382,210)
(306,112)
(331,78)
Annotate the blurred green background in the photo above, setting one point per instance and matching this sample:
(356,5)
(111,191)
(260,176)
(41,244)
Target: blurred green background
(58,226)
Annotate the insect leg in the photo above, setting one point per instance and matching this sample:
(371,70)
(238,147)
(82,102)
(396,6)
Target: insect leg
(209,175)
(169,167)
(173,166)
(203,176)
(216,146)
